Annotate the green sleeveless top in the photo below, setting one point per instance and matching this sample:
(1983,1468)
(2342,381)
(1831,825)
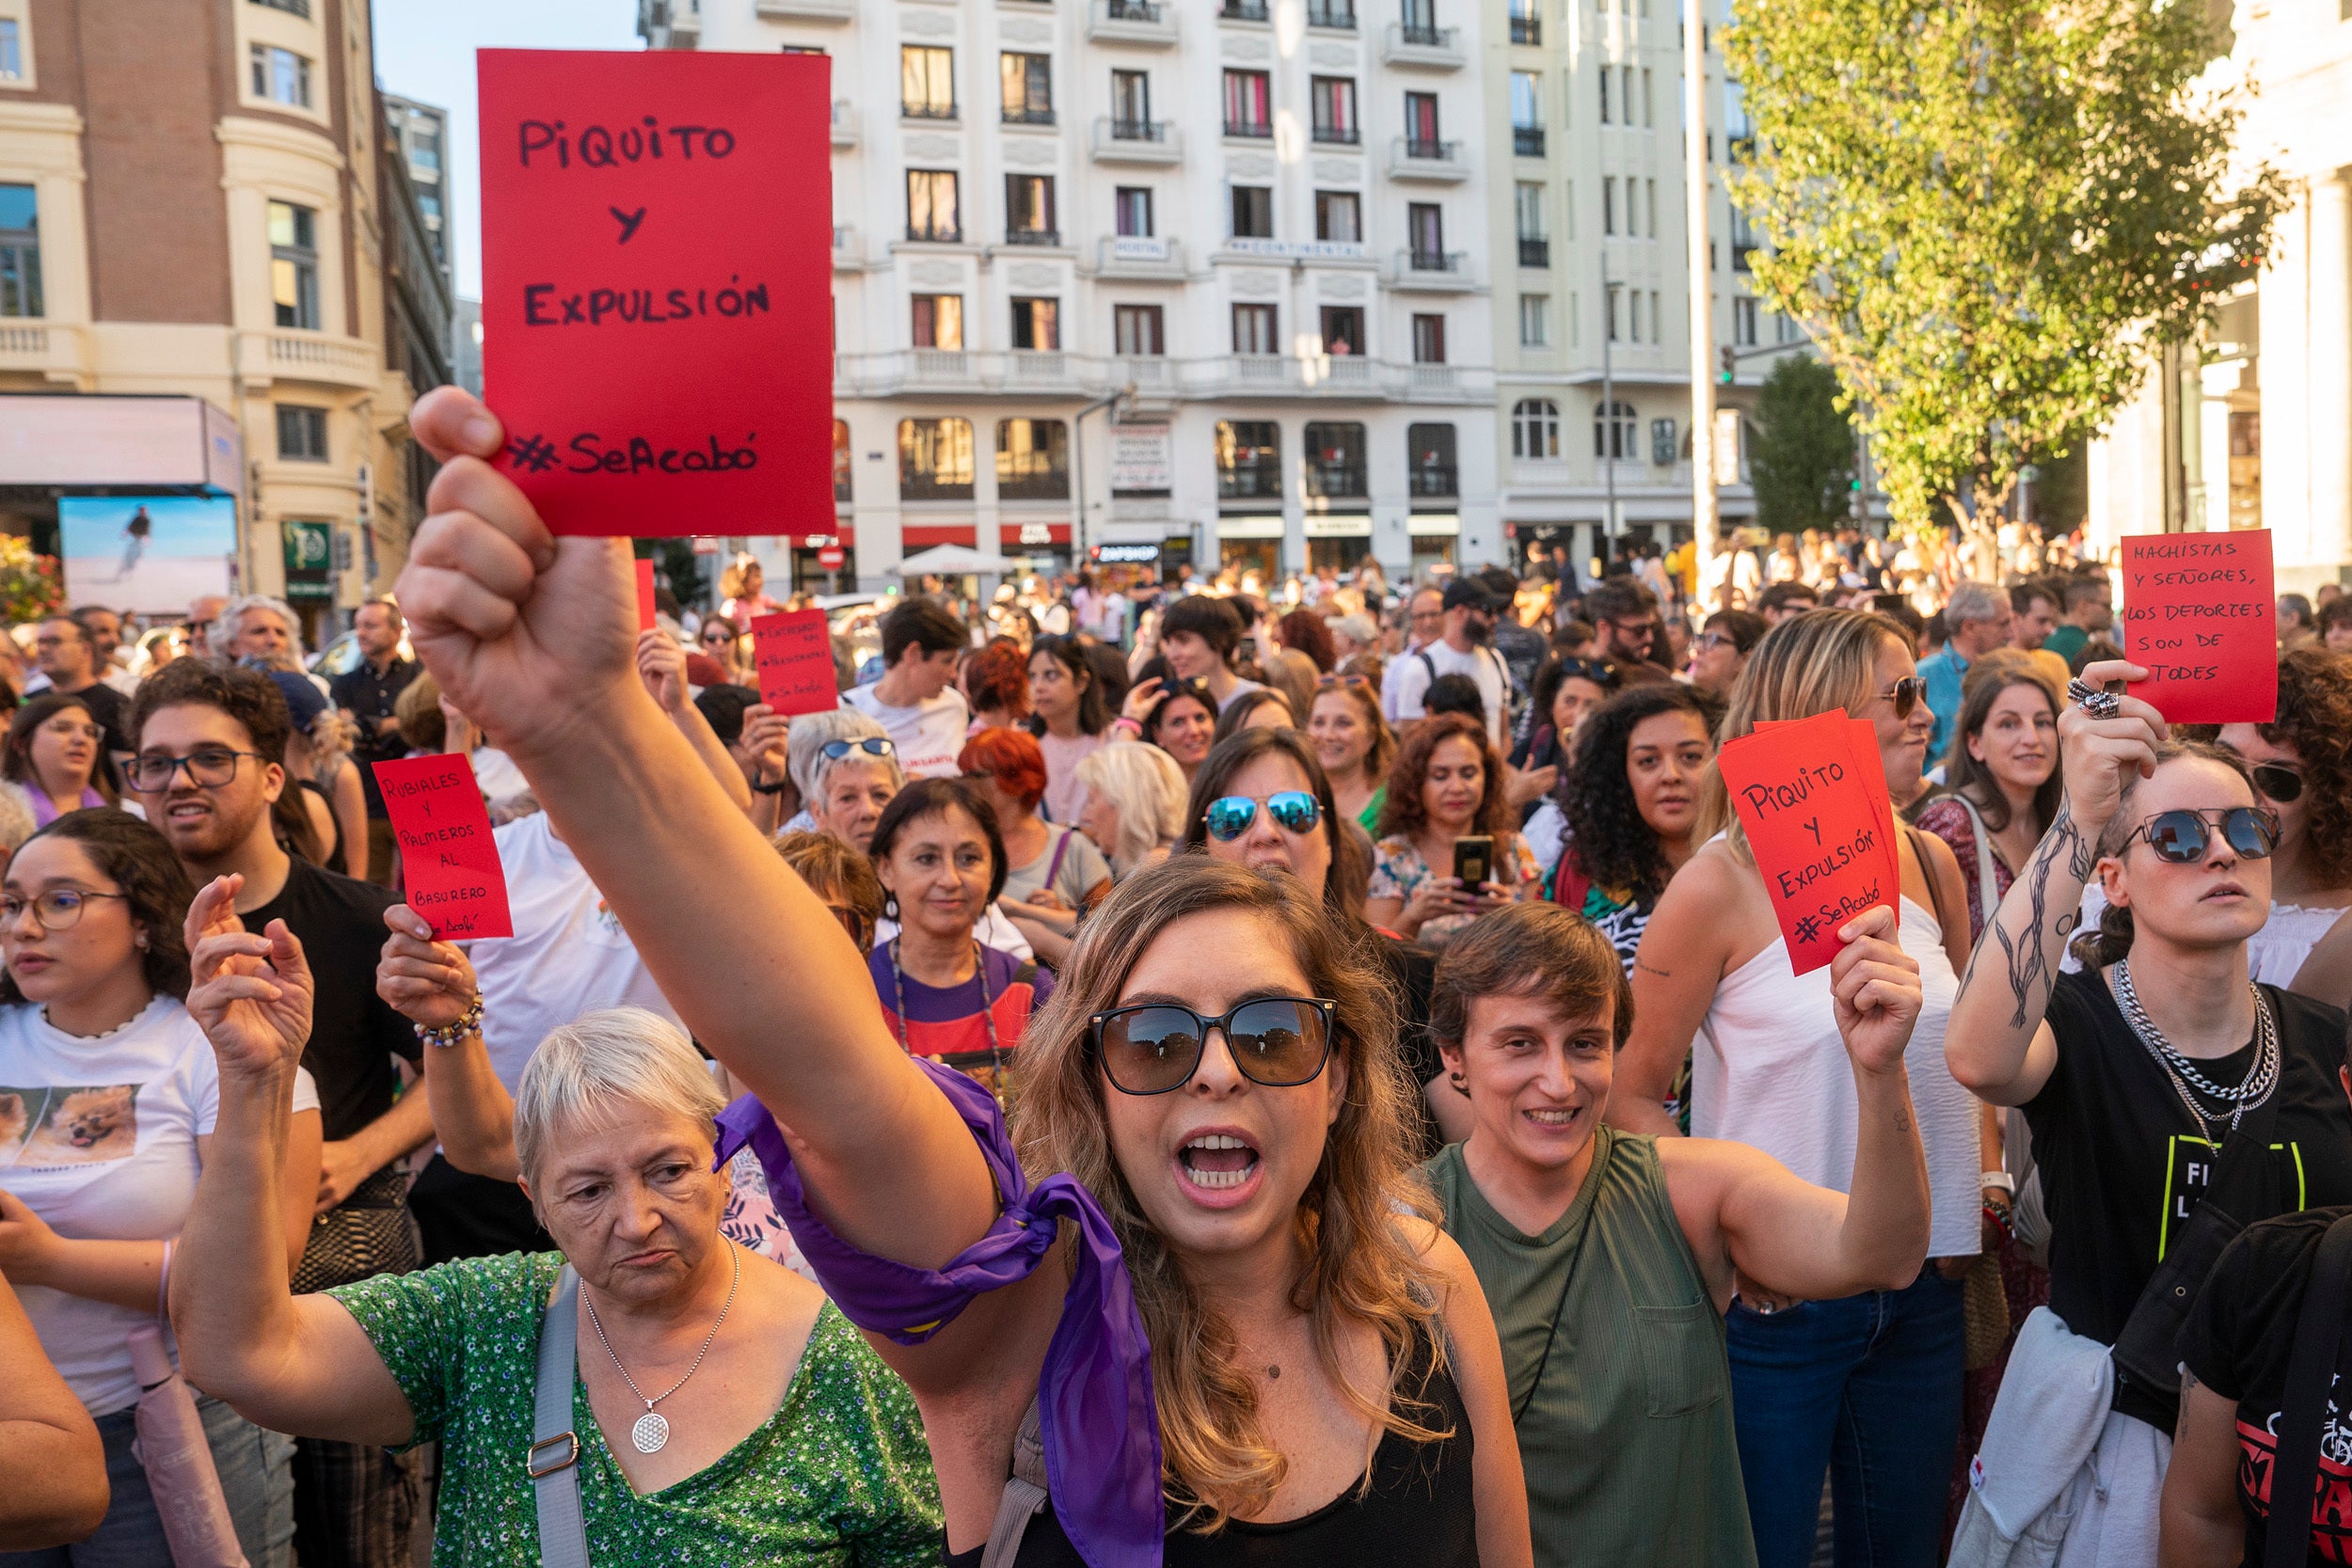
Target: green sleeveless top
(1625,1417)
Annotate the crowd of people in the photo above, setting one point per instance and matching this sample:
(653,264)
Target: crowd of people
(1170,1072)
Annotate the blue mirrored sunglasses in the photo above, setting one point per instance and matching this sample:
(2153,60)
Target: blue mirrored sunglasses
(1294,810)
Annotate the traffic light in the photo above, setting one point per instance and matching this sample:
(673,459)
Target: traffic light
(1723,372)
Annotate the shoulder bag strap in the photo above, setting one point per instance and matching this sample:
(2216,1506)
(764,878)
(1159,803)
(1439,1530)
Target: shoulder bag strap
(553,1458)
(1061,847)
(2310,1372)
(1935,884)
(1024,1495)
(1986,898)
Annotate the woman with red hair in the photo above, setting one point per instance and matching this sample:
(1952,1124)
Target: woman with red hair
(995,681)
(1052,872)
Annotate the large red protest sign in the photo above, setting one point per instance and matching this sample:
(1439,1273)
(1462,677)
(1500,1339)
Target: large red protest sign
(792,653)
(1816,820)
(656,261)
(2200,615)
(450,868)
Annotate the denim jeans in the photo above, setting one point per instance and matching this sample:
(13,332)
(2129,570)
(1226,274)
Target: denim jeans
(255,1478)
(1867,1386)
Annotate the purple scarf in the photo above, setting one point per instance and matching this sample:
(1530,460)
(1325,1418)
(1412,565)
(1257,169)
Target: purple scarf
(1101,1428)
(45,810)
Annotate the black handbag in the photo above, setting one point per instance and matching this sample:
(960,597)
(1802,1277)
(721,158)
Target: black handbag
(2242,1192)
(2310,1372)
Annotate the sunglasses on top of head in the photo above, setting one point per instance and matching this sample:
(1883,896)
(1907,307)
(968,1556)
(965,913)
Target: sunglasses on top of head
(1278,1042)
(1228,816)
(873,745)
(2182,836)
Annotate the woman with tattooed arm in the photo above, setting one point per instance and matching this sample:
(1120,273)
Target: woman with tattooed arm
(2157,1078)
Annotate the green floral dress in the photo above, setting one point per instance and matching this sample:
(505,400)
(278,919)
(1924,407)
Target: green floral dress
(839,1474)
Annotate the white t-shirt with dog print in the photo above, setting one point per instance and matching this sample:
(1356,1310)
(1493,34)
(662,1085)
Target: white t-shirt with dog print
(98,1137)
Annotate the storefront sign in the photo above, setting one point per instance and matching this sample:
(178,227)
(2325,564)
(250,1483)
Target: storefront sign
(1297,251)
(310,560)
(1142,459)
(1319,526)
(1265,525)
(1432,525)
(1126,555)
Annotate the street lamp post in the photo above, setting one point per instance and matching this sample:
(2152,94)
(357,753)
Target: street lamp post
(1608,414)
(1696,183)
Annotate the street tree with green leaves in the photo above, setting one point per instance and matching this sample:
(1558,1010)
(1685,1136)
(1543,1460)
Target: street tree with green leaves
(1989,214)
(1802,459)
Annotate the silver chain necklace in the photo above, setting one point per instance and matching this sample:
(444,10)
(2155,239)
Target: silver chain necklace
(2261,1076)
(652,1431)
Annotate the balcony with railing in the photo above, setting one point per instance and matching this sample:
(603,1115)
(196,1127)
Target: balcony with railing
(928,111)
(1243,11)
(1150,23)
(1337,135)
(1427,481)
(1534,253)
(1248,130)
(1250,478)
(1034,237)
(1527,29)
(1527,142)
(1337,481)
(937,233)
(1420,158)
(1432,271)
(1337,15)
(318,357)
(1413,43)
(1027,115)
(1136,141)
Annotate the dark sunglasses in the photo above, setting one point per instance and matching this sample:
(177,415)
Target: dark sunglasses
(1598,671)
(873,745)
(2277,781)
(1229,816)
(2182,837)
(1905,694)
(1277,1041)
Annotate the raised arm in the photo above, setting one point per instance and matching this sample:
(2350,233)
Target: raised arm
(1744,1209)
(49,1449)
(432,985)
(297,1363)
(662,665)
(1996,1043)
(529,634)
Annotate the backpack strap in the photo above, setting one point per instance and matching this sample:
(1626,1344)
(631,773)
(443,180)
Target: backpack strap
(1025,1497)
(2310,1370)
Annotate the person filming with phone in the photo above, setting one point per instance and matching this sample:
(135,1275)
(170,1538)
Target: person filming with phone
(1446,853)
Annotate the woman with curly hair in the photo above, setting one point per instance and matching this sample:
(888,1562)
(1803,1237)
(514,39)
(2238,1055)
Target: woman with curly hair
(1631,800)
(1447,784)
(2301,762)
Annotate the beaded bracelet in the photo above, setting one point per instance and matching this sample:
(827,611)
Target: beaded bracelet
(450,1033)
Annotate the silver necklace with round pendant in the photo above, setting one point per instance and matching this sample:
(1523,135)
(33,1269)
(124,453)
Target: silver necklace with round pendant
(651,1432)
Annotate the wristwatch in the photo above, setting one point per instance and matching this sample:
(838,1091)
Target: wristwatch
(2000,1179)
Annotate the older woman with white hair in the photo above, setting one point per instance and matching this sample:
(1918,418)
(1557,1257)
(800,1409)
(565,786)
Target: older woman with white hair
(845,768)
(1134,804)
(718,1408)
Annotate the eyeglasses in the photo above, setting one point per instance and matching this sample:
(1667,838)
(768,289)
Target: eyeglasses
(1630,628)
(1228,816)
(1713,640)
(873,745)
(1426,615)
(59,910)
(209,768)
(2182,837)
(1277,1041)
(1333,683)
(1905,694)
(2278,781)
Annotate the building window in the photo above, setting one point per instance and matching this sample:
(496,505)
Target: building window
(938,321)
(1527,212)
(301,433)
(1742,239)
(292,7)
(1335,461)
(1028,88)
(1535,429)
(281,76)
(1254,329)
(294,264)
(1604,96)
(1032,460)
(1343,329)
(1526,27)
(1649,116)
(1131,106)
(1535,321)
(1037,323)
(1609,204)
(1029,210)
(936,460)
(20,252)
(1649,200)
(1138,331)
(1253,212)
(1425,227)
(1334,101)
(1744,320)
(1421,138)
(424,150)
(1430,468)
(1428,340)
(1249,458)
(926,82)
(1617,437)
(1131,207)
(1527,115)
(841,461)
(1248,103)
(931,205)
(1339,216)
(11,51)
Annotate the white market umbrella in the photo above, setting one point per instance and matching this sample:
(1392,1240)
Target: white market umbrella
(954,561)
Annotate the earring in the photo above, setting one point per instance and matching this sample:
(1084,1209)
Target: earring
(142,941)
(1459,1083)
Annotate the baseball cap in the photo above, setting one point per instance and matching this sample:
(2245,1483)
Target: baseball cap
(303,701)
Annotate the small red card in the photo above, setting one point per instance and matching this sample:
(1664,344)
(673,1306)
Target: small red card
(793,654)
(2201,614)
(656,281)
(448,862)
(644,596)
(1816,820)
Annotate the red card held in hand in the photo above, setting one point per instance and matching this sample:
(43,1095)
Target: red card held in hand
(449,863)
(793,654)
(1819,823)
(2200,615)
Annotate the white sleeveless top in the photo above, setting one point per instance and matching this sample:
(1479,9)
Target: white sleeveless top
(1769,1069)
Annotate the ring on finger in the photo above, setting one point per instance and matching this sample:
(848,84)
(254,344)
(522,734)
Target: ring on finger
(2095,700)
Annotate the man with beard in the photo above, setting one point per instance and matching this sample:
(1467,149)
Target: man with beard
(210,770)
(1460,650)
(1625,620)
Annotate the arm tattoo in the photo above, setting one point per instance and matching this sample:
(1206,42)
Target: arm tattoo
(2032,974)
(2180,1422)
(1661,973)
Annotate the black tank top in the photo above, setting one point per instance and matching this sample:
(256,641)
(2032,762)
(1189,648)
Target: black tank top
(1418,1512)
(334,861)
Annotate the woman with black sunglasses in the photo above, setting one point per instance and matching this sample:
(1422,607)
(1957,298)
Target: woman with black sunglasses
(2158,1076)
(2301,764)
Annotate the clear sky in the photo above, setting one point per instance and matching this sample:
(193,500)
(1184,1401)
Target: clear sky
(425,50)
